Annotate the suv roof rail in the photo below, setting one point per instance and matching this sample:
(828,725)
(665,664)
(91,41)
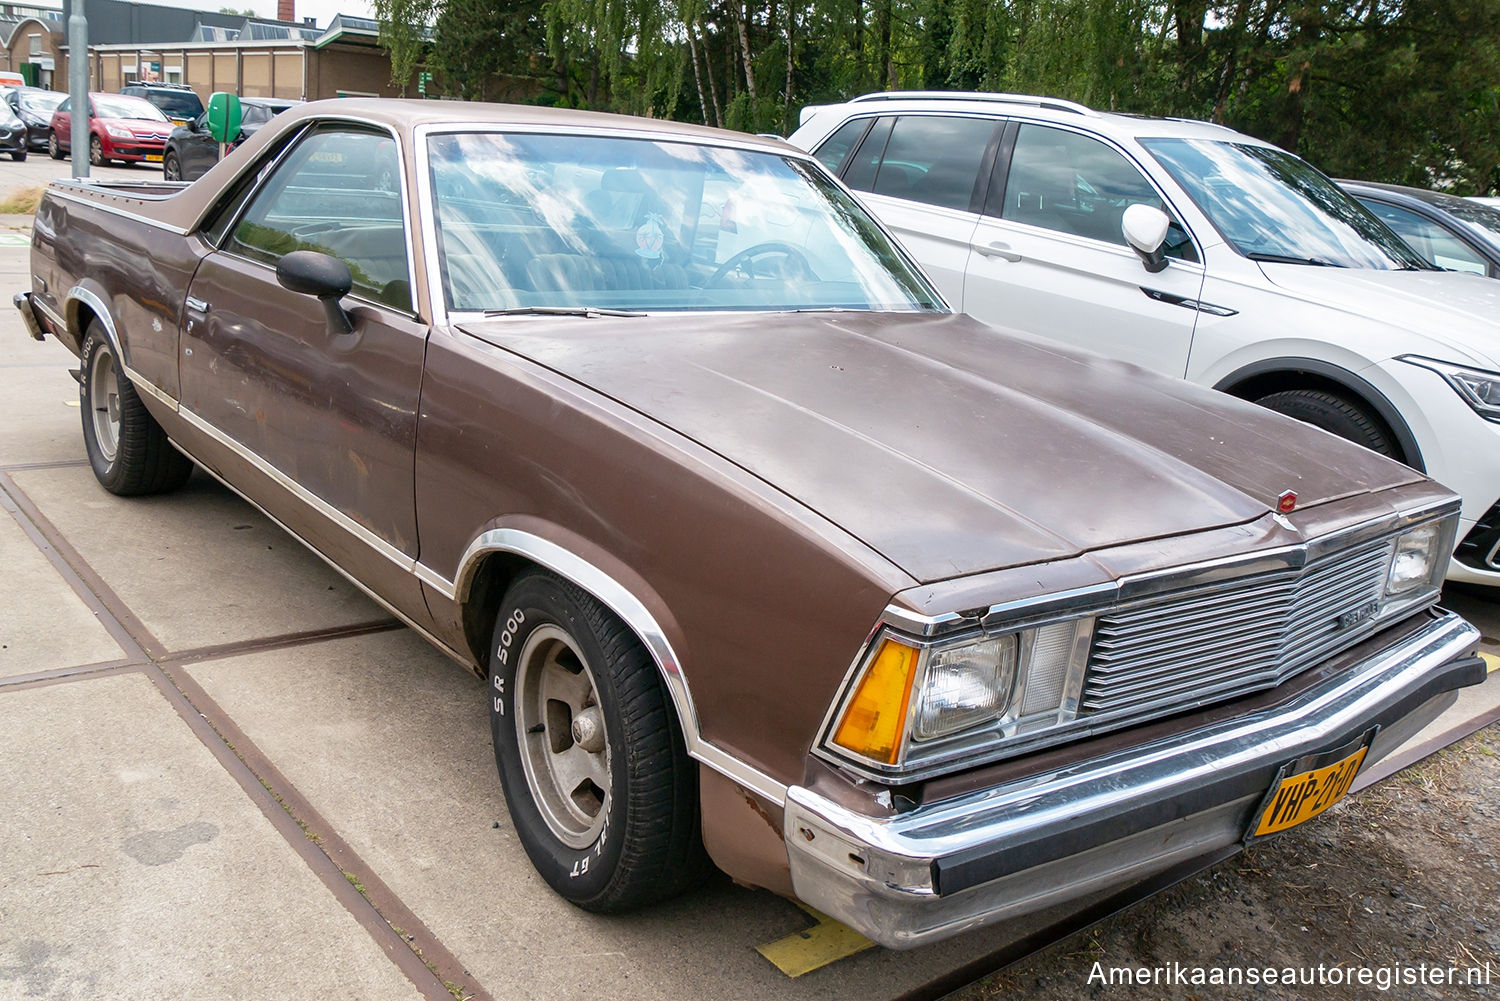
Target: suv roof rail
(1198,121)
(1051,103)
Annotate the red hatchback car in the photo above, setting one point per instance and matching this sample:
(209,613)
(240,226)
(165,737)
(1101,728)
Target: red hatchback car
(120,128)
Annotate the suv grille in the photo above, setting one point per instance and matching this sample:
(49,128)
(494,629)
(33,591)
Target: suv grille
(1214,642)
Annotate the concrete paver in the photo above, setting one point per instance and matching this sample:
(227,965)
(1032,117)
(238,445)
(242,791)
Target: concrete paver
(390,743)
(66,635)
(135,868)
(199,567)
(39,416)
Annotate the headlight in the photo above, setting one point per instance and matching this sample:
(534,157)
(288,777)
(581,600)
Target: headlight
(1416,560)
(1479,389)
(119,132)
(914,702)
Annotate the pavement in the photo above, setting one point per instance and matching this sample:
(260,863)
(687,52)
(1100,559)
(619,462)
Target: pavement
(228,774)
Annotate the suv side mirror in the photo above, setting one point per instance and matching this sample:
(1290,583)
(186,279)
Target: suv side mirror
(223,116)
(1145,229)
(311,273)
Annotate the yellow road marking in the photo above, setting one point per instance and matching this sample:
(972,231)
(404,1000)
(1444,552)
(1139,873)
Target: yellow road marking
(825,942)
(1491,661)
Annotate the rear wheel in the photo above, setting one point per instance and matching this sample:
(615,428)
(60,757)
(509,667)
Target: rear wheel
(53,149)
(128,450)
(602,793)
(1336,414)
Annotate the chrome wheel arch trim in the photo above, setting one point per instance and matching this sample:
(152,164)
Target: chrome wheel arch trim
(91,299)
(619,600)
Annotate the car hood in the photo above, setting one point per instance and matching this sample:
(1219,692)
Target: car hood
(138,124)
(943,444)
(1459,311)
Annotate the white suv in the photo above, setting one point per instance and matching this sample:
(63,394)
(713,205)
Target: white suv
(1194,250)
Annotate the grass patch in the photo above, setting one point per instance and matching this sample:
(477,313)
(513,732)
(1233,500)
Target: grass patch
(22,202)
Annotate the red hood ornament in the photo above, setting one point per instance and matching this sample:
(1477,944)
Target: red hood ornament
(1287,502)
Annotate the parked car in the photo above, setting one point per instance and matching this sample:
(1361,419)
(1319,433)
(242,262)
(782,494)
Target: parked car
(1493,203)
(34,106)
(764,555)
(1195,251)
(1449,232)
(177,101)
(190,150)
(120,128)
(12,133)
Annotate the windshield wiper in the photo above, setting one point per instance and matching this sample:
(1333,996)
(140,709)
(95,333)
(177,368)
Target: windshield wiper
(1284,259)
(559,311)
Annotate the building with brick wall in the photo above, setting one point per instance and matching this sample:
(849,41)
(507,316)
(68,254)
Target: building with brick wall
(207,51)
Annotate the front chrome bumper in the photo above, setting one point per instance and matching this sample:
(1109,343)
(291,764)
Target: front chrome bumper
(950,866)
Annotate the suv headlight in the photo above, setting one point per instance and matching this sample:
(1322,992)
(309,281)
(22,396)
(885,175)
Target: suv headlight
(1479,389)
(916,702)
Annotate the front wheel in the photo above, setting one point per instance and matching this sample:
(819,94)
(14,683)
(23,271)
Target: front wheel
(602,793)
(128,450)
(96,152)
(171,170)
(1336,415)
(19,156)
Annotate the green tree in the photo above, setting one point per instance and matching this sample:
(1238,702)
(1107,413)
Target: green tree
(405,26)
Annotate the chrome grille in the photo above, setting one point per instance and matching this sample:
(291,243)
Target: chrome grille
(1218,641)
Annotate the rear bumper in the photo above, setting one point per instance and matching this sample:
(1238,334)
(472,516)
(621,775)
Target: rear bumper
(950,866)
(22,301)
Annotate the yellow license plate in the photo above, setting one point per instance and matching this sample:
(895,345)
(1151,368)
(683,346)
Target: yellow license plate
(1308,786)
(153,158)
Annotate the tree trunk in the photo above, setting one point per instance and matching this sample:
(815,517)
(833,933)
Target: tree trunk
(885,71)
(698,77)
(740,17)
(713,92)
(786,97)
(1236,35)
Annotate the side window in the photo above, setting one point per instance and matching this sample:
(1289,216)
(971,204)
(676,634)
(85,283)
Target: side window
(336,193)
(835,148)
(1070,183)
(1427,238)
(933,159)
(860,172)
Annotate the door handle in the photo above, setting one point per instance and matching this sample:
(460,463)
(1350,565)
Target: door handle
(998,249)
(196,305)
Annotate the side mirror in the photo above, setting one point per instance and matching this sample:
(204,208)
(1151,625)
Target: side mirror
(1145,230)
(310,273)
(223,116)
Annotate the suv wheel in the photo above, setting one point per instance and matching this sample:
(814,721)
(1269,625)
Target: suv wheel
(1336,415)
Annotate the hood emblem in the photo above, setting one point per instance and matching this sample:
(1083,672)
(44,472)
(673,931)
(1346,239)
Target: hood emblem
(1286,503)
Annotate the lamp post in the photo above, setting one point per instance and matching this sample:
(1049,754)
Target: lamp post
(78,87)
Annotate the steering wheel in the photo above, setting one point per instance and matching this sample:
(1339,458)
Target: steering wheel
(796,259)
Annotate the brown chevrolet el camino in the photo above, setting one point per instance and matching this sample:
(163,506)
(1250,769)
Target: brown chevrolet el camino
(767,557)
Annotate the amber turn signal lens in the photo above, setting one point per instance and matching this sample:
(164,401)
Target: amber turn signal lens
(873,723)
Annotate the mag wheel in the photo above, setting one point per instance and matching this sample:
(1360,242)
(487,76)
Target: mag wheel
(128,450)
(602,793)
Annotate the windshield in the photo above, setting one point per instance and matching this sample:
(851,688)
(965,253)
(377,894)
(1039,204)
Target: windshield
(119,106)
(41,102)
(180,103)
(612,223)
(1273,206)
(1481,218)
